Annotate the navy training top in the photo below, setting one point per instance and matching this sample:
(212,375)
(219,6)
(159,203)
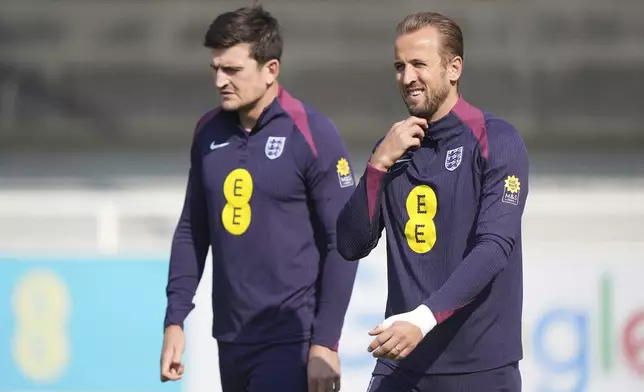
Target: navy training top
(267,202)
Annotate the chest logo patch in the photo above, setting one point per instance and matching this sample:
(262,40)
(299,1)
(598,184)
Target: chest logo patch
(420,229)
(238,189)
(453,158)
(274,147)
(344,173)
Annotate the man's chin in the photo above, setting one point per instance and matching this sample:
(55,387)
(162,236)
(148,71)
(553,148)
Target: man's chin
(418,112)
(421,111)
(229,106)
(413,109)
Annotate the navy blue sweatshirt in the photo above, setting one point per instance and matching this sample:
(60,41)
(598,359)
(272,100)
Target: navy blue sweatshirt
(267,203)
(452,212)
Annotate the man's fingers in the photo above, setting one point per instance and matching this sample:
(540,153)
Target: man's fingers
(388,346)
(325,385)
(170,376)
(404,353)
(171,367)
(417,132)
(414,142)
(412,136)
(312,384)
(397,124)
(421,122)
(380,340)
(166,357)
(176,370)
(176,356)
(377,330)
(319,385)
(399,348)
(176,366)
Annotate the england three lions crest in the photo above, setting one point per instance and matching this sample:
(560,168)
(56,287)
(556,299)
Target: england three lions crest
(453,158)
(274,147)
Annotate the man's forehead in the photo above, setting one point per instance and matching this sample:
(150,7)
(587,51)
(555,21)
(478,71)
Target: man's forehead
(425,40)
(238,54)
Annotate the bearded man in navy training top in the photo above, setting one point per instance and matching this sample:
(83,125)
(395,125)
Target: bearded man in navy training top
(449,185)
(268,178)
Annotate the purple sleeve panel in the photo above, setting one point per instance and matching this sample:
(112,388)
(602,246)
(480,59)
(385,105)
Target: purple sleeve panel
(295,108)
(475,120)
(374,188)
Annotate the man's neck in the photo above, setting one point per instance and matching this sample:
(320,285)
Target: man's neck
(248,118)
(446,106)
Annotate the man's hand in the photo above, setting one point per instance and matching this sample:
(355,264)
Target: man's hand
(174,343)
(399,335)
(323,370)
(402,136)
(395,342)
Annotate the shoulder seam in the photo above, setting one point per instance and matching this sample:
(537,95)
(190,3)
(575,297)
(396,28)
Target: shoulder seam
(474,119)
(296,110)
(205,119)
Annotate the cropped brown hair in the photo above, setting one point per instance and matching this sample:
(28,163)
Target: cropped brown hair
(452,42)
(249,25)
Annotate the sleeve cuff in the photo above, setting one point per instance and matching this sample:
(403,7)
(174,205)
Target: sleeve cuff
(168,323)
(374,178)
(331,344)
(172,318)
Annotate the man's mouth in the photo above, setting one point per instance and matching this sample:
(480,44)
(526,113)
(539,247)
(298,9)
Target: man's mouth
(414,92)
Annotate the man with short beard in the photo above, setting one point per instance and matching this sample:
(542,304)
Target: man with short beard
(449,184)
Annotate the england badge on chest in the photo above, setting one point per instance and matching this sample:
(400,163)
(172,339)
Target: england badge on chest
(274,147)
(453,158)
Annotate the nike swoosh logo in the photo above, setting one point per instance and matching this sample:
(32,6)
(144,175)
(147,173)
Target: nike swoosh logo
(402,160)
(214,146)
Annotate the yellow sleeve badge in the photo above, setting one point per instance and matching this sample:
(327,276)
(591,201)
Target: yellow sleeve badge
(344,173)
(511,190)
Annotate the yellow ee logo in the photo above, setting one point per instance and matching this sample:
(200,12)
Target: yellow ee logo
(238,189)
(41,305)
(420,229)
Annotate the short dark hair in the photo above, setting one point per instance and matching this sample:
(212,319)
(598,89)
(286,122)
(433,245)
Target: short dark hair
(452,43)
(250,25)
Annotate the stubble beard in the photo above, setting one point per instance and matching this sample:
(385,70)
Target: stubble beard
(433,100)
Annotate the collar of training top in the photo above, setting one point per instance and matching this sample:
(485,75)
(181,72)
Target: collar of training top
(273,110)
(452,124)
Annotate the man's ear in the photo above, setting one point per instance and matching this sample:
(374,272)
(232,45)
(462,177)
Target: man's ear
(454,69)
(272,71)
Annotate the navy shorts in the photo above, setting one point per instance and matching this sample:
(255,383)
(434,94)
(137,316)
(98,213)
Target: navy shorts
(254,368)
(387,378)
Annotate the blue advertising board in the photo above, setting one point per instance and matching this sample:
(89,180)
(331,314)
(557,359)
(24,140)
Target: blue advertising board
(81,324)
